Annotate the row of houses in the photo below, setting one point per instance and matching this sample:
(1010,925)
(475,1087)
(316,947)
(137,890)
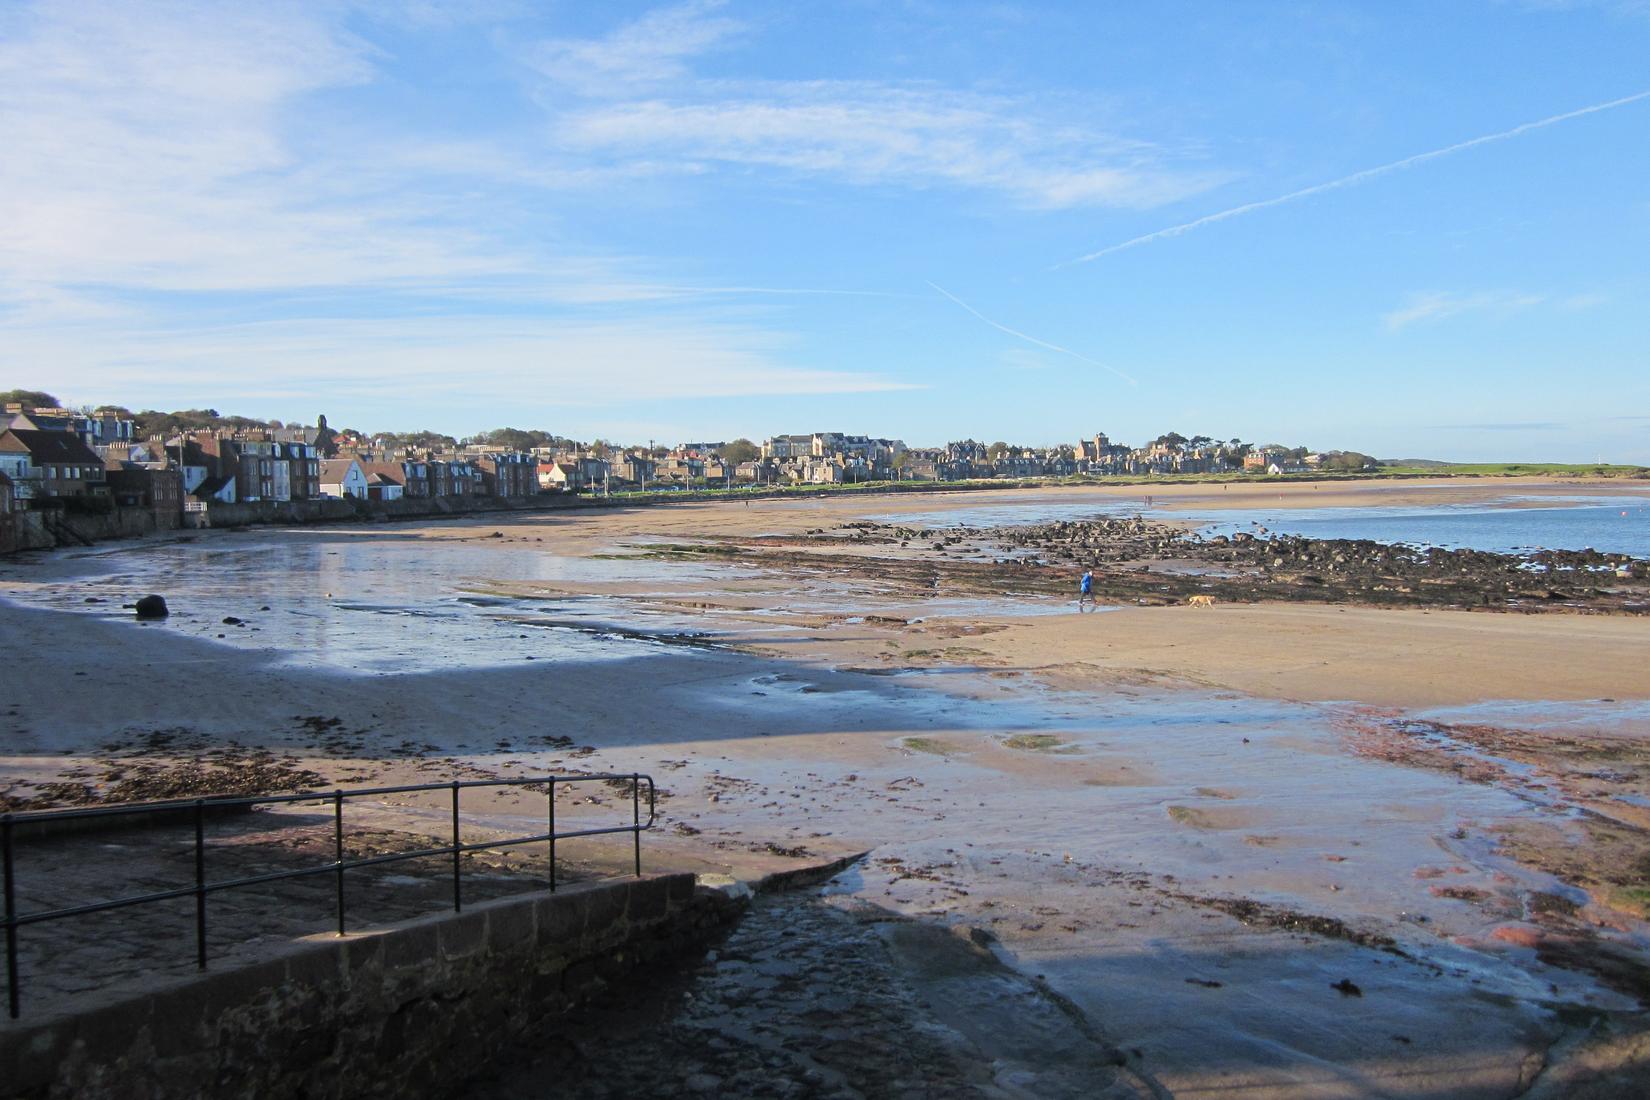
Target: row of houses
(55,458)
(375,475)
(47,464)
(833,457)
(51,456)
(685,468)
(819,458)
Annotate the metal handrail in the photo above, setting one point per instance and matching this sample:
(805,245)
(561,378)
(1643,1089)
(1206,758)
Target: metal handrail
(202,889)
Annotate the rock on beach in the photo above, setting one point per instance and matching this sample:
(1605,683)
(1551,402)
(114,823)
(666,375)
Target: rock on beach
(152,607)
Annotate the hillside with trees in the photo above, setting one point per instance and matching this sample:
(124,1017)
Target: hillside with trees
(35,399)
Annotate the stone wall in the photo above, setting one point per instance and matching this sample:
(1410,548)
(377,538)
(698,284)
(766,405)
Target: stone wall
(271,511)
(30,534)
(24,531)
(334,511)
(32,530)
(43,530)
(408,1011)
(117,523)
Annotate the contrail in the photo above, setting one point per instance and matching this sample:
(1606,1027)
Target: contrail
(1017,334)
(706,290)
(1356,177)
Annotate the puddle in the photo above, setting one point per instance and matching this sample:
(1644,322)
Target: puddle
(343,604)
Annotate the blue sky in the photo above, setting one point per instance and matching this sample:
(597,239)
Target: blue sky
(711,219)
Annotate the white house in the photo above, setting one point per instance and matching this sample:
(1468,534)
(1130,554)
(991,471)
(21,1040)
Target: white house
(18,466)
(560,476)
(221,489)
(343,477)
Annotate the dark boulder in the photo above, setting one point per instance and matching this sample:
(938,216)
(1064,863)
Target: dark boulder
(152,607)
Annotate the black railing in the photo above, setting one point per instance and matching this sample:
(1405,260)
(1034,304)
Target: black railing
(197,809)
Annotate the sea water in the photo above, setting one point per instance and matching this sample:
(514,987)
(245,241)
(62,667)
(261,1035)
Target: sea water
(1618,525)
(1510,524)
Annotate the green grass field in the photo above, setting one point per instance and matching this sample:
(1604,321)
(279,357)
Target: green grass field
(1520,469)
(1453,469)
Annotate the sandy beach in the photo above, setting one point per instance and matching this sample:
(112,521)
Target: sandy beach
(1145,805)
(1389,658)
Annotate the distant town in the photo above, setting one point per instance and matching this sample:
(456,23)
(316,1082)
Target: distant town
(186,464)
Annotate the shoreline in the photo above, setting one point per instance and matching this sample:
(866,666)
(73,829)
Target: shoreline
(1390,654)
(1400,490)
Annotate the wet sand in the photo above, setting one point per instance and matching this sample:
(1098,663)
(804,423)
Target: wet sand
(1099,793)
(1391,658)
(1268,494)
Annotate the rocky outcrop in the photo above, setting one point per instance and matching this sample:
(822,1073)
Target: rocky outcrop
(1355,571)
(1261,566)
(1138,561)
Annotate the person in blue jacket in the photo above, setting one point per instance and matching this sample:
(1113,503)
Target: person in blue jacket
(1085,590)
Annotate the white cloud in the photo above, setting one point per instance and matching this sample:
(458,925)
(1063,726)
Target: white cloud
(444,363)
(1024,359)
(159,146)
(155,152)
(175,148)
(869,133)
(184,159)
(1586,300)
(1442,305)
(1628,8)
(189,146)
(647,51)
(1438,305)
(643,104)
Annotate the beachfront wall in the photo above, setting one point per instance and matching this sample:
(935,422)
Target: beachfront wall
(247,513)
(42,530)
(38,534)
(30,530)
(410,1011)
(23,531)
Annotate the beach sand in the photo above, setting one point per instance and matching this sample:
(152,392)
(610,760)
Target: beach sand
(1390,658)
(1094,791)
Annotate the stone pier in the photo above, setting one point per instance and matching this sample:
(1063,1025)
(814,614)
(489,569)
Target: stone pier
(409,1010)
